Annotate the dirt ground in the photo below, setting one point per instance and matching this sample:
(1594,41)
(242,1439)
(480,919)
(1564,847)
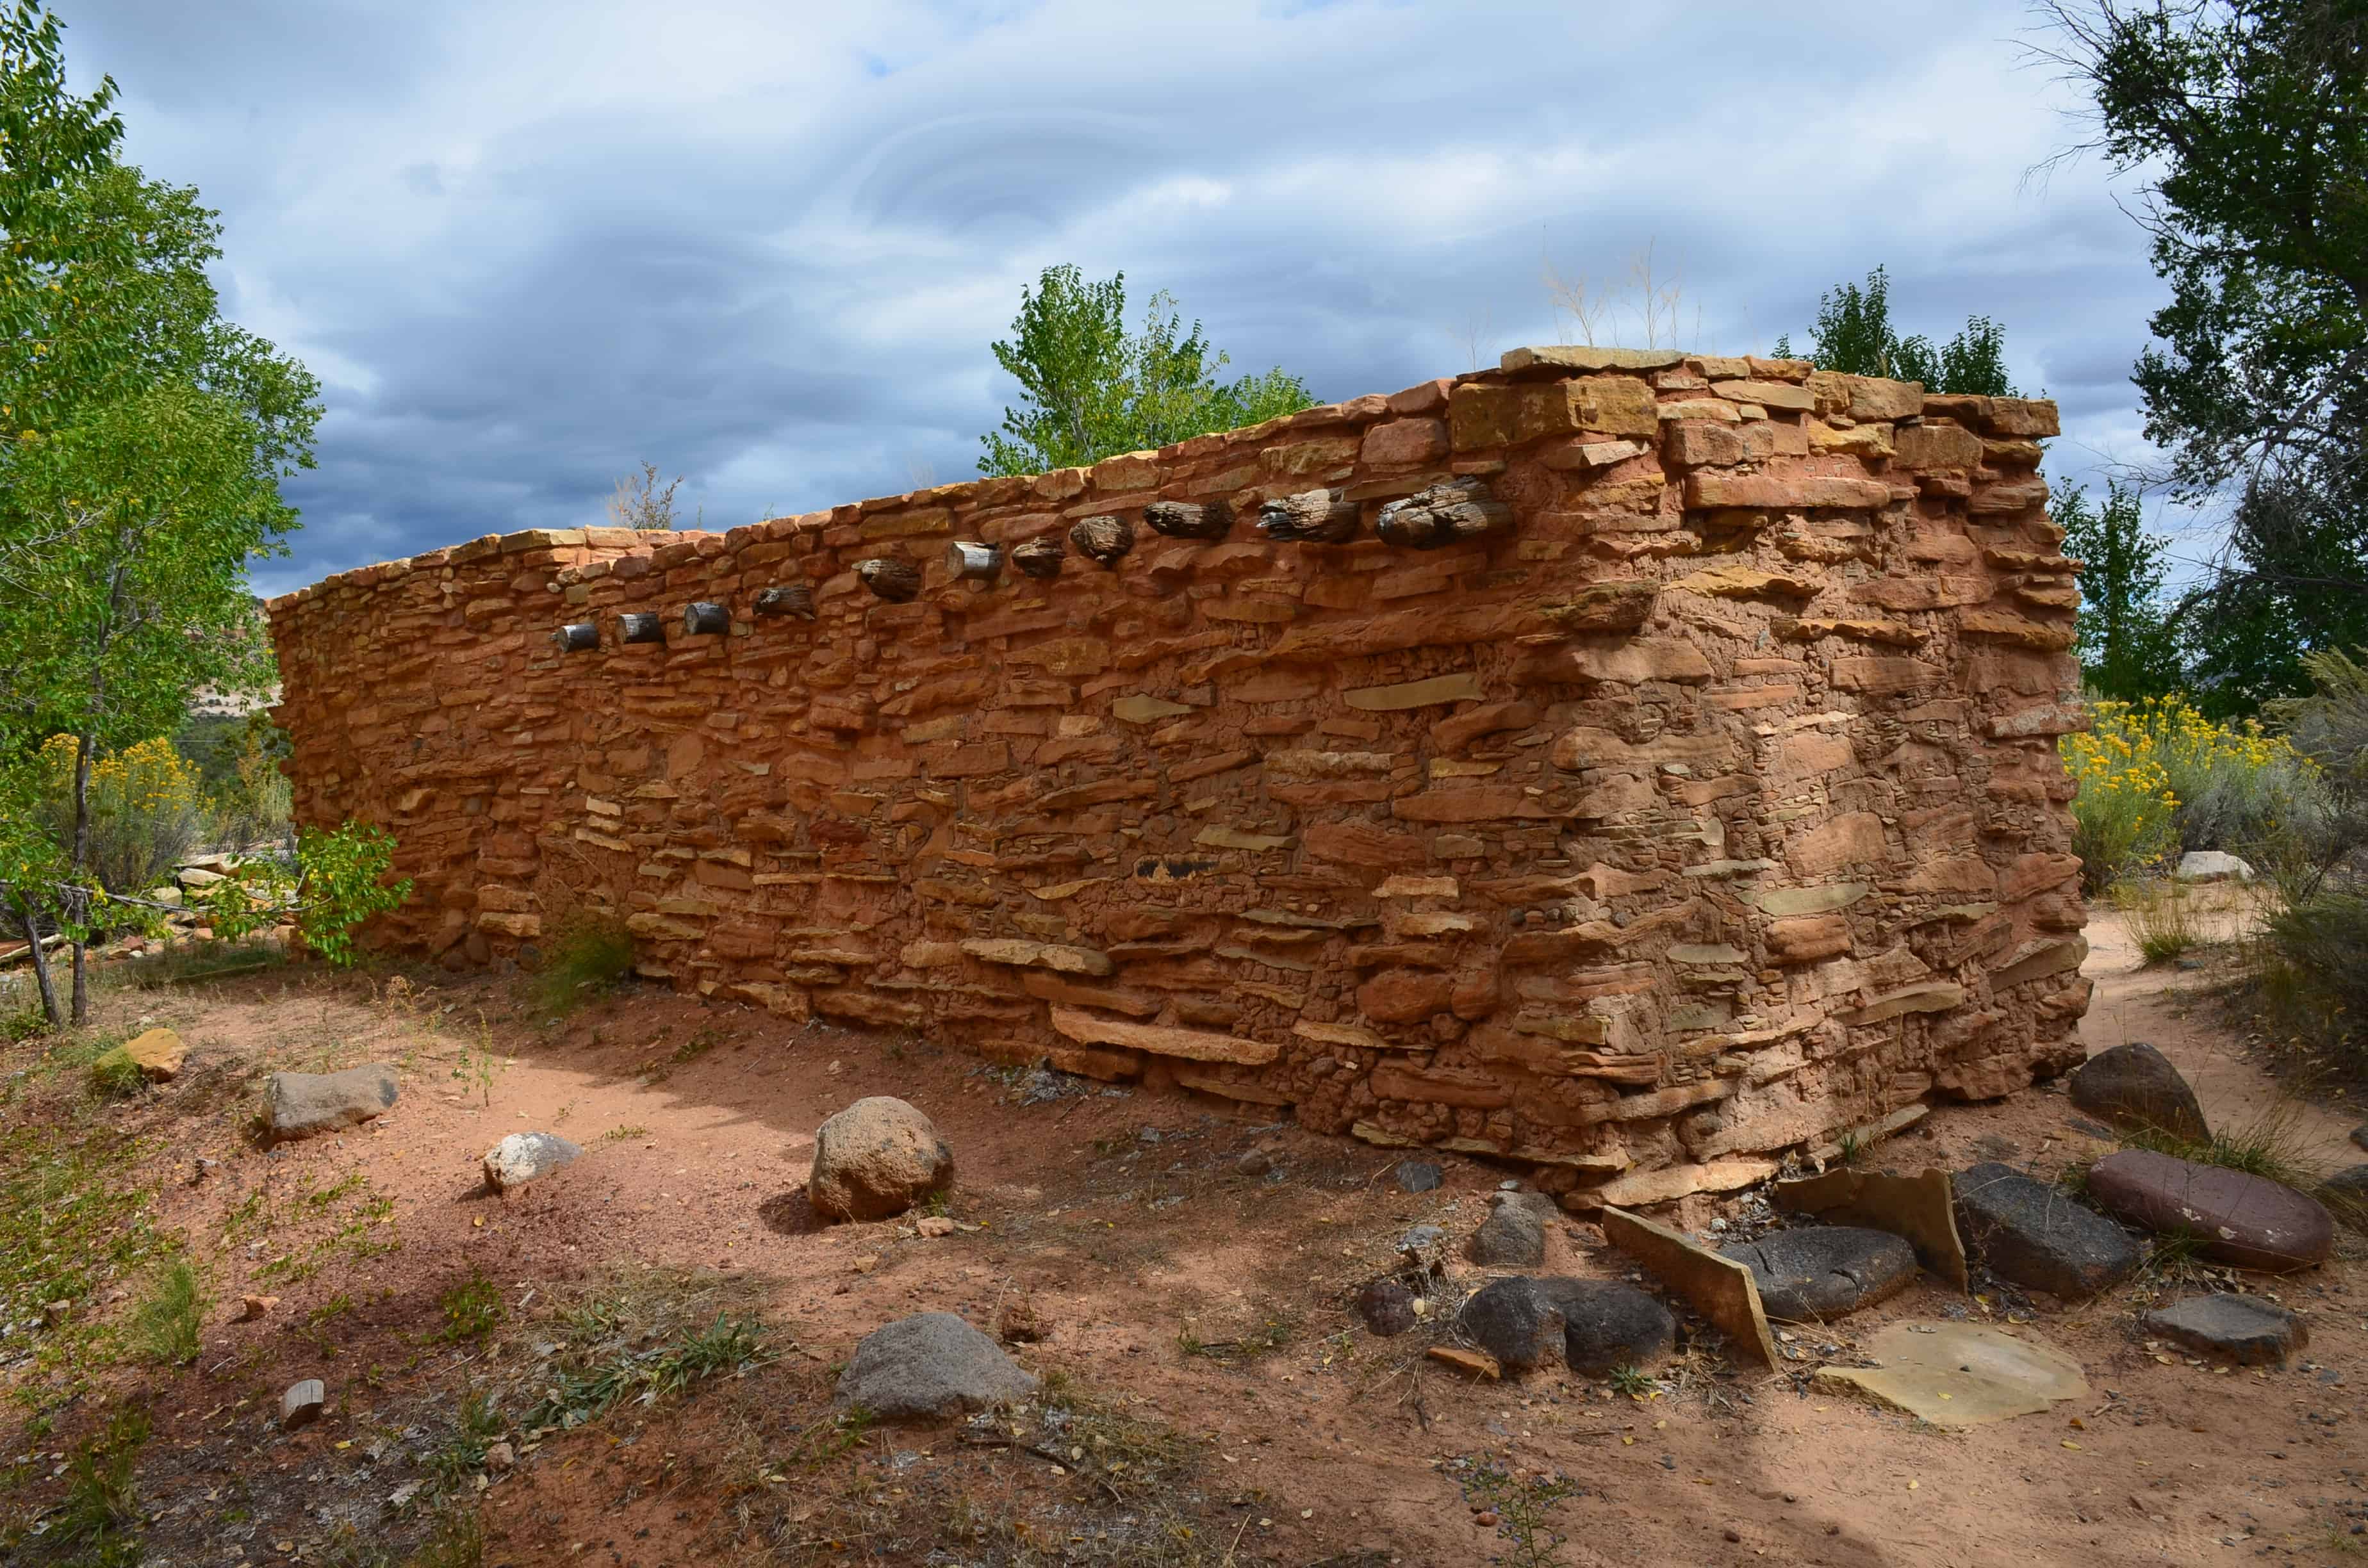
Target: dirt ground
(1195,1318)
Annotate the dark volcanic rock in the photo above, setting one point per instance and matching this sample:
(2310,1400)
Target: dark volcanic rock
(1515,1322)
(1608,1324)
(2035,1235)
(1824,1271)
(1418,1175)
(2245,1329)
(1387,1306)
(2136,1085)
(2242,1219)
(1512,1237)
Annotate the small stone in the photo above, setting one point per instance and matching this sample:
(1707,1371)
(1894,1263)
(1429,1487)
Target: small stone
(2242,1219)
(1387,1307)
(158,1053)
(876,1159)
(934,1225)
(1823,1272)
(1256,1163)
(1419,1175)
(252,1307)
(2036,1236)
(2247,1329)
(1421,1238)
(2136,1086)
(1512,1237)
(1478,1363)
(930,1366)
(522,1156)
(499,1457)
(301,1405)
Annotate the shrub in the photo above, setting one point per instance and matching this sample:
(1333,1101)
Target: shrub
(2158,778)
(2163,919)
(588,954)
(147,814)
(339,881)
(166,1325)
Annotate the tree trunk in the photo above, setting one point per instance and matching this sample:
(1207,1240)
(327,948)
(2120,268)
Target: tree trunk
(78,907)
(40,966)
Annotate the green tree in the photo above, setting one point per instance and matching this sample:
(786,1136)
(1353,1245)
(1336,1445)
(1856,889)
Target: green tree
(2249,119)
(1089,388)
(2122,633)
(1854,335)
(143,438)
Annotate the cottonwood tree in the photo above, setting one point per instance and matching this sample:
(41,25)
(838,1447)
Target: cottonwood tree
(2248,119)
(1854,335)
(143,438)
(2124,633)
(1090,389)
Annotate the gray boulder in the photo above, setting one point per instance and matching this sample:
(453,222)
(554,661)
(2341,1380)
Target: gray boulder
(2346,1196)
(307,1105)
(2136,1085)
(522,1156)
(929,1366)
(1513,1320)
(2036,1236)
(1823,1272)
(1514,1236)
(876,1159)
(1607,1324)
(2213,866)
(2247,1329)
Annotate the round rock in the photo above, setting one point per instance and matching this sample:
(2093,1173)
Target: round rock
(2136,1086)
(1823,1272)
(1512,1237)
(876,1159)
(1608,1324)
(1387,1307)
(2247,1329)
(2239,1217)
(929,1366)
(522,1156)
(1513,1320)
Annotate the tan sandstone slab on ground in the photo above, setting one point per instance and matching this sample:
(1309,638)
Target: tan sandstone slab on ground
(1960,1374)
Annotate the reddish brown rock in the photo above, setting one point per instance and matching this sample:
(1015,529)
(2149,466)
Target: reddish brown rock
(2236,1217)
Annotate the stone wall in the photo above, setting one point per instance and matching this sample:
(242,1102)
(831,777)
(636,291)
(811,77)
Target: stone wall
(1655,773)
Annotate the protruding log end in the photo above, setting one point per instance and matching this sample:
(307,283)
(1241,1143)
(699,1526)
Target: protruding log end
(1189,519)
(1040,557)
(577,637)
(895,581)
(789,599)
(969,558)
(703,617)
(1454,512)
(639,626)
(1312,516)
(1103,539)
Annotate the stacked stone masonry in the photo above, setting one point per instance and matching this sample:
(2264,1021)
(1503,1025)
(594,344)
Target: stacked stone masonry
(1652,770)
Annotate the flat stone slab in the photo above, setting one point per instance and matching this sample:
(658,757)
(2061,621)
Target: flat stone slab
(2136,1085)
(2035,1235)
(308,1105)
(1921,1208)
(2245,1329)
(2242,1219)
(1719,1287)
(158,1053)
(1960,1374)
(1823,1272)
(930,1366)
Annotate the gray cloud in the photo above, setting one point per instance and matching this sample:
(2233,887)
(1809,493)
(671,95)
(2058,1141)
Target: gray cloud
(766,245)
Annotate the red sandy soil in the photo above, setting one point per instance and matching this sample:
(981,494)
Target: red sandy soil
(698,1121)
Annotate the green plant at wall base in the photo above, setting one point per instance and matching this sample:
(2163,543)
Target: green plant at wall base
(589,953)
(339,881)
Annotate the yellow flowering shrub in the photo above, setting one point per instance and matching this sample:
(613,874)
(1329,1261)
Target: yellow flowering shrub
(2158,778)
(147,811)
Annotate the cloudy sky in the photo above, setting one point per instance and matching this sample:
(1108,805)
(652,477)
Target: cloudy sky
(529,244)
